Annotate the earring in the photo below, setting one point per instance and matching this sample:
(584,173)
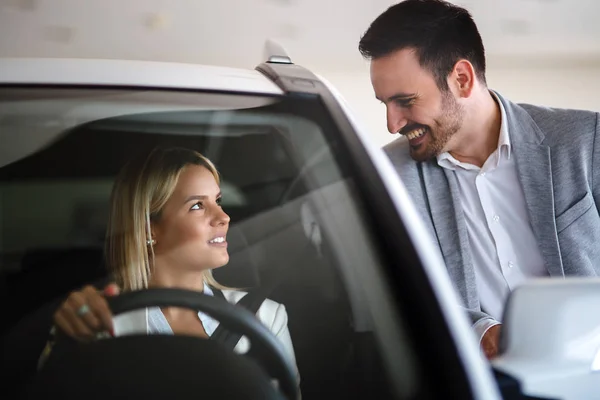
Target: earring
(150,242)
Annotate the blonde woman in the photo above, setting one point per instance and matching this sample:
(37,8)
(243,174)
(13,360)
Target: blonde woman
(166,230)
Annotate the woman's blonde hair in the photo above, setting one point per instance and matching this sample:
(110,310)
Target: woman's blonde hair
(139,195)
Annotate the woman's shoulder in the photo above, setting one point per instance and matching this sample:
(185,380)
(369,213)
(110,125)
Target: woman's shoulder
(234,296)
(268,311)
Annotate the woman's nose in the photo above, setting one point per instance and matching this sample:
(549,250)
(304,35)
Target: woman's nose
(222,218)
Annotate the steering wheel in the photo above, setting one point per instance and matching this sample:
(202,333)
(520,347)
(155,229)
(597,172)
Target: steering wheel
(265,348)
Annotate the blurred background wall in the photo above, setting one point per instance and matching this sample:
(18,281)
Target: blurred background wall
(539,51)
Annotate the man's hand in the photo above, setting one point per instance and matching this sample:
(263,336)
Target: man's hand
(490,341)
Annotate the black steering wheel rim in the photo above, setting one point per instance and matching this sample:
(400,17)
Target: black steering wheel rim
(265,348)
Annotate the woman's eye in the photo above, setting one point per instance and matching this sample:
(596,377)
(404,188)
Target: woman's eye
(197,206)
(219,201)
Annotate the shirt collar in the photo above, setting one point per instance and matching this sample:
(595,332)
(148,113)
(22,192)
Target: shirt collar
(504,138)
(446,160)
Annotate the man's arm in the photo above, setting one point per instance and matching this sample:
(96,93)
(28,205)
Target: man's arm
(490,342)
(596,164)
(487,329)
(484,326)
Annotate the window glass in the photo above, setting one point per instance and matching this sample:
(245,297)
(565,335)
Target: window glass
(295,218)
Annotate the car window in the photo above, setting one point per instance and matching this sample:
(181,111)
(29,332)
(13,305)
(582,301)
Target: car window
(287,186)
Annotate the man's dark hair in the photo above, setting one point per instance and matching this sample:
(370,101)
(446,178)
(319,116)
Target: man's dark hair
(440,32)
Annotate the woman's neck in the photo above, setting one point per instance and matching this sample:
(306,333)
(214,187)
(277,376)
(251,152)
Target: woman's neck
(189,281)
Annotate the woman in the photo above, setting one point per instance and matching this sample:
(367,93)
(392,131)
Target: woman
(166,230)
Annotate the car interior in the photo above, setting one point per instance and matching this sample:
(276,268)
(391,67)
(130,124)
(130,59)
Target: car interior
(276,169)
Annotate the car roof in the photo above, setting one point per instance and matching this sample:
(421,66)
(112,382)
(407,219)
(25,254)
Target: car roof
(133,73)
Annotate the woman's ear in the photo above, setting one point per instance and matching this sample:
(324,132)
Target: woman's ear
(153,229)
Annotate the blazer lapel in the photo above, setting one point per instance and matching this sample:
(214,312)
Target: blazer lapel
(450,228)
(535,173)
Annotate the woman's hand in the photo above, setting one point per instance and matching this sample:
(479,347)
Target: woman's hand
(85,313)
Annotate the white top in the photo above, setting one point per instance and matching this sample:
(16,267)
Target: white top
(504,248)
(158,324)
(151,320)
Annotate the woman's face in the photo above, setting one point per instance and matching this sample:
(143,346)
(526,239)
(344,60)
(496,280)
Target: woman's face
(191,231)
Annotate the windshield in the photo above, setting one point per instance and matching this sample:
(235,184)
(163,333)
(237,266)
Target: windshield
(285,183)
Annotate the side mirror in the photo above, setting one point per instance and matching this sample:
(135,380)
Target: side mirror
(551,338)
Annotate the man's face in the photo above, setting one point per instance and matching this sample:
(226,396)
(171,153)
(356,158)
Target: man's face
(415,105)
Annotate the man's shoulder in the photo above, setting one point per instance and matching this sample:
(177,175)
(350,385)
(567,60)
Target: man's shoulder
(553,115)
(558,124)
(407,168)
(398,151)
(399,143)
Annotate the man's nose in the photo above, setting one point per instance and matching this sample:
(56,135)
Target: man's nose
(396,120)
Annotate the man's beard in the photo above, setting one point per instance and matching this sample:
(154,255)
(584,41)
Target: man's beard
(446,125)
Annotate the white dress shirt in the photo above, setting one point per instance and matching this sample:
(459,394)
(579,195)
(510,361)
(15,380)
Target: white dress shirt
(504,249)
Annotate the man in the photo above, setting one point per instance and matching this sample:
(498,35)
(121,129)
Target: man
(508,192)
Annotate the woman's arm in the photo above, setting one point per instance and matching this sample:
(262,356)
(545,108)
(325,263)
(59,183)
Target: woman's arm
(280,329)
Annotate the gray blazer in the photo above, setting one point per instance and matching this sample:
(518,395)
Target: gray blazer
(557,154)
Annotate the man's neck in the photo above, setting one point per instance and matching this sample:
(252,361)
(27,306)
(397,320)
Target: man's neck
(478,138)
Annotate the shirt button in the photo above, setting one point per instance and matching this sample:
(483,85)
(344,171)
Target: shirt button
(482,174)
(510,265)
(496,218)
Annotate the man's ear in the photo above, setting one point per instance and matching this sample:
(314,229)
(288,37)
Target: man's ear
(461,80)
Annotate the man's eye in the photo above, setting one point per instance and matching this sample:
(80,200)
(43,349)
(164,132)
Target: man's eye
(197,206)
(405,103)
